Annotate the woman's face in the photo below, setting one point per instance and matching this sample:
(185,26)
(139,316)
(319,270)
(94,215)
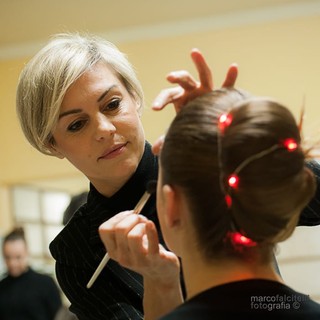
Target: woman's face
(15,255)
(99,129)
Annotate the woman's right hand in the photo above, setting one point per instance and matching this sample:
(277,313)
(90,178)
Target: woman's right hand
(132,240)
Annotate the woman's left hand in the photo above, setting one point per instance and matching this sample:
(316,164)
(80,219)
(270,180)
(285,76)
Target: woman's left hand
(188,88)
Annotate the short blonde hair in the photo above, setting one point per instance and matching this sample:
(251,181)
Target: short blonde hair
(46,78)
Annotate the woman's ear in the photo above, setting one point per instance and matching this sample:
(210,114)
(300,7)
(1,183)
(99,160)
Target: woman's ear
(57,153)
(172,206)
(54,151)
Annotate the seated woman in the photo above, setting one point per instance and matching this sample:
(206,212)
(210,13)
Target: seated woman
(232,184)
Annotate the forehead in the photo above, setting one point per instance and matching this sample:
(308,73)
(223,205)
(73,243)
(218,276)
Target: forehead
(99,70)
(100,73)
(92,82)
(14,246)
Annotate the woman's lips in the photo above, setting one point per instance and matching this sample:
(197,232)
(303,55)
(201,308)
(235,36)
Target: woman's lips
(113,152)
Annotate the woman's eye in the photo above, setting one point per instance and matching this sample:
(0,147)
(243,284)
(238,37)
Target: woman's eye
(113,105)
(76,126)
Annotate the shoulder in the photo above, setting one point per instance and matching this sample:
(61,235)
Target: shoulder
(41,281)
(40,276)
(315,167)
(310,216)
(3,281)
(70,237)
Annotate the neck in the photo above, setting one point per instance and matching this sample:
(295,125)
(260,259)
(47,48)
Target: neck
(222,271)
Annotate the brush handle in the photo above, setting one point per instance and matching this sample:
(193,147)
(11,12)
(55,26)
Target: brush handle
(100,267)
(139,206)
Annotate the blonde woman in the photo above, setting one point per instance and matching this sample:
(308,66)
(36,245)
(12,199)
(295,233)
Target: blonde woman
(79,99)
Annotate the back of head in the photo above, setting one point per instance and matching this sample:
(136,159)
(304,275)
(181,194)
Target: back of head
(47,76)
(262,145)
(261,206)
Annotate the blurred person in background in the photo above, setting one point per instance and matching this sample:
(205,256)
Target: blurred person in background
(24,293)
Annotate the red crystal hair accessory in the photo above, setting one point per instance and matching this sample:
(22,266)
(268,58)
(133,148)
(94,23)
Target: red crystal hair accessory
(233,181)
(228,200)
(239,239)
(224,121)
(290,144)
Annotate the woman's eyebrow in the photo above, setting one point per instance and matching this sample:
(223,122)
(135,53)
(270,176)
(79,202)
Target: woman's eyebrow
(73,111)
(106,92)
(63,114)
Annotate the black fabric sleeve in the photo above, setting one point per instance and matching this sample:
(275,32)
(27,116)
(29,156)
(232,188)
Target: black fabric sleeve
(310,216)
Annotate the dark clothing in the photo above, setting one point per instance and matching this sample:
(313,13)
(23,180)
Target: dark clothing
(117,292)
(31,296)
(78,250)
(311,214)
(248,299)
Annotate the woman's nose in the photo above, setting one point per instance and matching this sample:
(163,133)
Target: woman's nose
(105,127)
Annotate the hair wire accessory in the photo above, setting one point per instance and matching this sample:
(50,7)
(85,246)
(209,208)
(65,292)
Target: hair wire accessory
(290,144)
(237,238)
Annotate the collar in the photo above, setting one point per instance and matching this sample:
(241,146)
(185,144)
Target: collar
(101,208)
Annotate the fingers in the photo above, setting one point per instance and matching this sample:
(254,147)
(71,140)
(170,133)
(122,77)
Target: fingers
(106,229)
(183,78)
(122,231)
(156,147)
(137,241)
(167,96)
(153,240)
(205,74)
(188,88)
(231,76)
(113,232)
(143,240)
(204,71)
(129,239)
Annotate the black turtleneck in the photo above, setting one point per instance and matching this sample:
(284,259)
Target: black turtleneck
(30,296)
(117,293)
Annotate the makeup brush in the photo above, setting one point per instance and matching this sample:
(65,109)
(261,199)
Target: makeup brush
(151,188)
